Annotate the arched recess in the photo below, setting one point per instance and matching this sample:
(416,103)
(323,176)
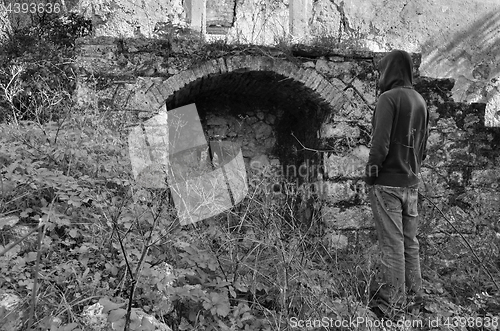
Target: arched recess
(304,95)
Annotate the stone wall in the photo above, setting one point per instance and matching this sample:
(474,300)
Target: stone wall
(259,97)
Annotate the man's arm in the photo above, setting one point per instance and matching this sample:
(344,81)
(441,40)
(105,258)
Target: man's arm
(381,138)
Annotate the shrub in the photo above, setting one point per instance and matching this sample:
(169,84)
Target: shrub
(37,73)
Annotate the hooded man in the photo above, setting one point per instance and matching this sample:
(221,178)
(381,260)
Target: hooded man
(399,136)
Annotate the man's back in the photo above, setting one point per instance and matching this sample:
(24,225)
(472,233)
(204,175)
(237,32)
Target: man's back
(399,127)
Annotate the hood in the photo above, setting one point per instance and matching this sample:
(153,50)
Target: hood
(395,70)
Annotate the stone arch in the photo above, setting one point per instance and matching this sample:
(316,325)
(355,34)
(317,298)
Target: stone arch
(152,95)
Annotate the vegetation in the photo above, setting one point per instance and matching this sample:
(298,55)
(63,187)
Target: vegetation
(92,238)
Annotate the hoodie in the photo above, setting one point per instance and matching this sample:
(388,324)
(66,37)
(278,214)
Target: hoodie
(399,126)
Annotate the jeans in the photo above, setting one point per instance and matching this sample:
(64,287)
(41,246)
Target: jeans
(396,222)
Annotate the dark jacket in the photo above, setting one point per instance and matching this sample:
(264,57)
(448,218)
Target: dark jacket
(400,126)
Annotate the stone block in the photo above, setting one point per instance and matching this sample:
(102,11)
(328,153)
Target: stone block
(121,96)
(97,64)
(211,68)
(324,87)
(157,93)
(259,162)
(351,165)
(138,95)
(262,130)
(85,95)
(235,62)
(357,217)
(262,63)
(169,87)
(366,89)
(308,64)
(334,192)
(186,77)
(344,71)
(297,73)
(270,119)
(313,80)
(337,83)
(97,49)
(220,64)
(339,130)
(322,66)
(333,240)
(337,99)
(202,70)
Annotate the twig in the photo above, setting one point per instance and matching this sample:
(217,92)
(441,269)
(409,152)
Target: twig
(74,303)
(311,149)
(134,276)
(463,238)
(35,277)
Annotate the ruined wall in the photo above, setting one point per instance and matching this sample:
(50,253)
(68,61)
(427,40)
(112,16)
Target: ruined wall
(258,97)
(458,39)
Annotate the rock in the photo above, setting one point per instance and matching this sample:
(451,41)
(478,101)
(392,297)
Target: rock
(97,320)
(251,120)
(337,130)
(334,240)
(247,151)
(275,162)
(270,119)
(351,165)
(262,130)
(259,162)
(94,318)
(323,67)
(172,71)
(218,132)
(338,192)
(308,64)
(269,143)
(362,152)
(11,315)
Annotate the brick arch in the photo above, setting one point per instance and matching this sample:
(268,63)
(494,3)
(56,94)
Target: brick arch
(152,96)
